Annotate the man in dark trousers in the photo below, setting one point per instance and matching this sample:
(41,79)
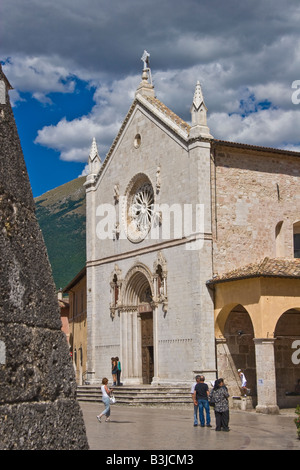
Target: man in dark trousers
(200,397)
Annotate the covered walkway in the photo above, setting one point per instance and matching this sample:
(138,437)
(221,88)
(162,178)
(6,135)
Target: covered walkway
(257,329)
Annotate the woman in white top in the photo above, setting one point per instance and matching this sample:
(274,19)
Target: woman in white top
(244,382)
(105,398)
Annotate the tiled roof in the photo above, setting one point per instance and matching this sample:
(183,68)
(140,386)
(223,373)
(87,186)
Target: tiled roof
(268,267)
(168,113)
(255,147)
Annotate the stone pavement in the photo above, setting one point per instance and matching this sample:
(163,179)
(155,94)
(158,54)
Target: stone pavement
(150,428)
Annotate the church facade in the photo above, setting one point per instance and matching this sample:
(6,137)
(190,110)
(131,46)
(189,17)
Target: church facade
(192,255)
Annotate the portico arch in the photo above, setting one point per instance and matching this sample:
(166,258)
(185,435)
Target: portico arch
(287,358)
(236,349)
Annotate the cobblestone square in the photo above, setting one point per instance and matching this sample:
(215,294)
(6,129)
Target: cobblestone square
(147,428)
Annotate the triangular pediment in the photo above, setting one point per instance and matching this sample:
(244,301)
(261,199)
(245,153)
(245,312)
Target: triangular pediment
(159,112)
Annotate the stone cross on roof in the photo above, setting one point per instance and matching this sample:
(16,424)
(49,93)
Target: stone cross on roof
(145,59)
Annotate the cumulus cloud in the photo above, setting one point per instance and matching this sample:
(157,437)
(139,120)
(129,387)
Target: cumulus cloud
(271,128)
(39,76)
(73,138)
(245,54)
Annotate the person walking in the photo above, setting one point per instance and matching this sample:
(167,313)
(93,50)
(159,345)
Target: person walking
(196,407)
(219,396)
(200,396)
(244,382)
(106,392)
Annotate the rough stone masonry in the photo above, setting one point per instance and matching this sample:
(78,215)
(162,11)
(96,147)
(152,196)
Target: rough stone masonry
(38,407)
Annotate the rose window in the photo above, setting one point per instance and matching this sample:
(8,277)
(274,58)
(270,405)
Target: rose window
(141,209)
(140,206)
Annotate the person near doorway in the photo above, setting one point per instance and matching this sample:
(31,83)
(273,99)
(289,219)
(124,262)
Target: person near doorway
(118,371)
(106,392)
(196,407)
(219,395)
(244,382)
(200,396)
(114,369)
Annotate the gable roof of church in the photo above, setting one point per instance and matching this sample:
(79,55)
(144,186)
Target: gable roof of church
(160,111)
(169,114)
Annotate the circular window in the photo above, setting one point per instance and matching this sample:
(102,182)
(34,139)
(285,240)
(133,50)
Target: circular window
(139,208)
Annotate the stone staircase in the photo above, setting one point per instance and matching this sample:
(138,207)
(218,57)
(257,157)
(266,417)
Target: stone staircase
(140,395)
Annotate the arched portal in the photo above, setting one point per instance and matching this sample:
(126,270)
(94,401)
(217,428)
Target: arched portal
(287,358)
(236,350)
(137,326)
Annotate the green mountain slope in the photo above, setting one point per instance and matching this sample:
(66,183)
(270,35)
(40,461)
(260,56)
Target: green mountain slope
(61,215)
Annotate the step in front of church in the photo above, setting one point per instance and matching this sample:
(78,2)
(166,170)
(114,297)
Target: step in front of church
(150,395)
(139,395)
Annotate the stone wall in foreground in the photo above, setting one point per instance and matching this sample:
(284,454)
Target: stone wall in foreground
(38,407)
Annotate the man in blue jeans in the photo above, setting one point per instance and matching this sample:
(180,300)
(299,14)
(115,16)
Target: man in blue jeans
(196,407)
(200,397)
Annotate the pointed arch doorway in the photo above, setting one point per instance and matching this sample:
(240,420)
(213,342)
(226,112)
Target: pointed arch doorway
(137,327)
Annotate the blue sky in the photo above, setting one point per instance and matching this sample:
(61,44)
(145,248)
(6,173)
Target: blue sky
(45,167)
(75,67)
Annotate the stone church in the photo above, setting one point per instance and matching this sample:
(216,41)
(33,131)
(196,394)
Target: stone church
(192,255)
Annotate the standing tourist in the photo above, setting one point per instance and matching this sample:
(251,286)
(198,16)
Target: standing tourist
(219,396)
(201,394)
(114,370)
(118,371)
(106,400)
(196,407)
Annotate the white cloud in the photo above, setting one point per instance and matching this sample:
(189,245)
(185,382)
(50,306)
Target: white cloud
(73,138)
(39,76)
(243,53)
(272,128)
(239,116)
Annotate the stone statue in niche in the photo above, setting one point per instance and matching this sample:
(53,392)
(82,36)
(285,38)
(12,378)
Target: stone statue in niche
(158,179)
(116,193)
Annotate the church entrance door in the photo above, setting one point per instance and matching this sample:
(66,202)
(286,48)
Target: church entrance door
(147,345)
(137,328)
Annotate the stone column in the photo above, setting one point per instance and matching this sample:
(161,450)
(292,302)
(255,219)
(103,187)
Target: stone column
(129,345)
(123,344)
(134,344)
(155,379)
(266,377)
(139,347)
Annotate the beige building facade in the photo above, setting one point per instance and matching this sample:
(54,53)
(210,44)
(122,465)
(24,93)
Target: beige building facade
(77,324)
(175,222)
